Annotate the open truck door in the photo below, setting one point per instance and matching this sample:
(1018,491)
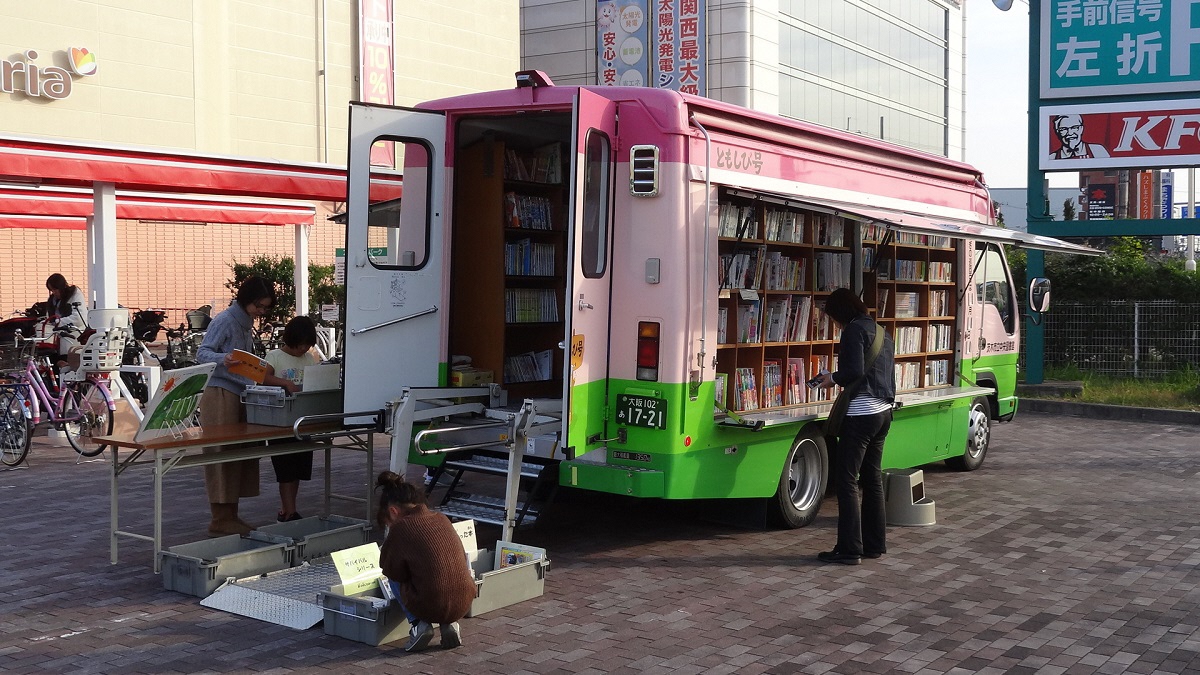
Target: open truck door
(589,281)
(395,319)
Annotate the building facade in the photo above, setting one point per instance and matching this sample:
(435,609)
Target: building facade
(890,69)
(264,79)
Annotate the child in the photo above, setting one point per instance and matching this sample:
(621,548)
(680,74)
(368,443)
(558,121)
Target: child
(423,558)
(285,368)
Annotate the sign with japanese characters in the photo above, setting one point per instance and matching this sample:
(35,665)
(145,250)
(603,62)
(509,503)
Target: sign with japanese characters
(622,44)
(1119,47)
(1101,201)
(678,33)
(377,67)
(1144,134)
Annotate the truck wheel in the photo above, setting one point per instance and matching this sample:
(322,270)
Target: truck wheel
(802,483)
(979,436)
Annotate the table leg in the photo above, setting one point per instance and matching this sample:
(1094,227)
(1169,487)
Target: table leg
(370,478)
(158,481)
(113,502)
(328,478)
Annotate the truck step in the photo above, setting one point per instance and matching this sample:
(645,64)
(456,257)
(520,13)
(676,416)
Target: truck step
(493,465)
(483,509)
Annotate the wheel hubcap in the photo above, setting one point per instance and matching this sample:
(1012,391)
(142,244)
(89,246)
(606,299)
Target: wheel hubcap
(979,431)
(804,475)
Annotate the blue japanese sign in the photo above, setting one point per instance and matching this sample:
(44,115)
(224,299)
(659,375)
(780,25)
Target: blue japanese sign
(679,58)
(622,43)
(1119,47)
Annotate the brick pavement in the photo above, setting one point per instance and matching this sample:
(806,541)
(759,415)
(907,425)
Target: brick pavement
(1074,550)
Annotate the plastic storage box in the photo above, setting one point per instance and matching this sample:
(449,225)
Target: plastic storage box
(367,618)
(275,407)
(200,567)
(314,537)
(496,588)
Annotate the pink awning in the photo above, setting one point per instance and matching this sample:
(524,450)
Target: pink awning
(77,202)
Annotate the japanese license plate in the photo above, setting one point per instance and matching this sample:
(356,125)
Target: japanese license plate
(642,411)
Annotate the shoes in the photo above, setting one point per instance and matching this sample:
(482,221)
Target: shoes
(836,556)
(451,638)
(873,554)
(419,636)
(287,519)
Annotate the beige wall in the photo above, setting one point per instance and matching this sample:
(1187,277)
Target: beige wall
(225,77)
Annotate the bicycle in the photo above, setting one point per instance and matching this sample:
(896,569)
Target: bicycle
(82,405)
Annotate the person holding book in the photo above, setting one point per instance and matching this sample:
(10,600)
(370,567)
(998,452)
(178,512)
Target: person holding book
(285,368)
(860,420)
(221,403)
(423,559)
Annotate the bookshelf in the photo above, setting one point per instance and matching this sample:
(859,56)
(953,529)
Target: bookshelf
(506,313)
(776,265)
(912,295)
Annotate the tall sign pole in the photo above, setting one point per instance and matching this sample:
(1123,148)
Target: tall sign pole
(1036,205)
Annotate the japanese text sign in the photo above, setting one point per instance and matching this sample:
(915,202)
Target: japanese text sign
(1119,47)
(678,32)
(622,43)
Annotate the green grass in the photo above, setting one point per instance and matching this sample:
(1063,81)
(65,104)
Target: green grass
(1179,390)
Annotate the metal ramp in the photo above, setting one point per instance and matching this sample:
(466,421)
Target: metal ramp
(287,597)
(501,438)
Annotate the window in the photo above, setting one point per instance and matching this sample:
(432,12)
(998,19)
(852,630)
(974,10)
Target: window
(398,228)
(992,284)
(594,231)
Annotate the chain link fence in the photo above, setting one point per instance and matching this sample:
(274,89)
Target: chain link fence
(1128,338)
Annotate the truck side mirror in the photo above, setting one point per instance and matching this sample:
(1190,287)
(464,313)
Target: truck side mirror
(1039,295)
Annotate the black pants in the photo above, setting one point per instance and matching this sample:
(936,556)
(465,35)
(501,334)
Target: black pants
(861,523)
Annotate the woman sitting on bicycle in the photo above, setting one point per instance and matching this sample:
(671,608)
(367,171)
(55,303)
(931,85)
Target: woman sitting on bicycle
(67,305)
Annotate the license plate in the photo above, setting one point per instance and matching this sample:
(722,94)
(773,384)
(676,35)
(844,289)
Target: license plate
(642,411)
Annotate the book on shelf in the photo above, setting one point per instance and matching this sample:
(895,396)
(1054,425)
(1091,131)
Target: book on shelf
(908,375)
(907,339)
(796,389)
(772,384)
(742,268)
(939,303)
(530,305)
(799,318)
(720,387)
(818,363)
(749,317)
(883,302)
(778,311)
(939,337)
(529,367)
(833,270)
(745,388)
(540,165)
(907,304)
(722,325)
(781,273)
(785,226)
(529,212)
(829,230)
(736,221)
(937,372)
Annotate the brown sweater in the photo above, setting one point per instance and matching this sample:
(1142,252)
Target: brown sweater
(424,555)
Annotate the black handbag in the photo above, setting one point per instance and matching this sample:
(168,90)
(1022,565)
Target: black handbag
(837,413)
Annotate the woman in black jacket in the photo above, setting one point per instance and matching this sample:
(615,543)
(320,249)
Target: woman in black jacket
(866,375)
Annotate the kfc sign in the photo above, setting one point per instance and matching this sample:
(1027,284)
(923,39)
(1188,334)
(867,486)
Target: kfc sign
(24,76)
(1112,135)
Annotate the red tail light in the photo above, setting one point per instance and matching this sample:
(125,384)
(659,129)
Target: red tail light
(647,351)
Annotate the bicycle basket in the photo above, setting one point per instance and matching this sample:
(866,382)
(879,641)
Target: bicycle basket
(13,355)
(198,319)
(103,351)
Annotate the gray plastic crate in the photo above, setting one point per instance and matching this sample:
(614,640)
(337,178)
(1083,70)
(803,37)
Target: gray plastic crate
(367,618)
(273,406)
(496,588)
(200,567)
(314,537)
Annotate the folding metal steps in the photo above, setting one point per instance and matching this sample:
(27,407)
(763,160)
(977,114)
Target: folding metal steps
(485,508)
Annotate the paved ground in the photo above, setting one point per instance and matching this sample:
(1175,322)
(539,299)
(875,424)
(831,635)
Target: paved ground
(1074,550)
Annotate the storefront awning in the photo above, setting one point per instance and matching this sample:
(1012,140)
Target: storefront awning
(77,203)
(917,223)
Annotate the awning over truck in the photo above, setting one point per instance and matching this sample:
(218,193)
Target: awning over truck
(905,221)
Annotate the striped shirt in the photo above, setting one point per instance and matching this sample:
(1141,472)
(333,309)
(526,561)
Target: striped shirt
(866,405)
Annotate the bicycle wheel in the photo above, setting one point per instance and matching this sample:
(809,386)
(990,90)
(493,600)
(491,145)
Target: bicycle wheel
(16,430)
(87,415)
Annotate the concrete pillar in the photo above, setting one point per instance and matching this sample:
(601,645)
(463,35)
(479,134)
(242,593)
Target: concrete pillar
(301,272)
(102,247)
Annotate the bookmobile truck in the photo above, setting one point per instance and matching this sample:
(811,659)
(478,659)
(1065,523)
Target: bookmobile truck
(629,280)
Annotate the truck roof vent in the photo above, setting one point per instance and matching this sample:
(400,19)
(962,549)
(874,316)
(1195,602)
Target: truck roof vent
(643,171)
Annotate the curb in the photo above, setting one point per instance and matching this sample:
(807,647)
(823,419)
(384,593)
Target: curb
(1108,412)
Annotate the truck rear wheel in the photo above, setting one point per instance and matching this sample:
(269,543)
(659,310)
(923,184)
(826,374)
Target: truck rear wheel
(802,483)
(979,437)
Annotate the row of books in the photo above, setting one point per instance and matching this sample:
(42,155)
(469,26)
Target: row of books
(930,240)
(527,258)
(937,372)
(907,339)
(530,305)
(541,165)
(742,268)
(872,232)
(939,303)
(783,383)
(786,319)
(908,305)
(833,270)
(785,226)
(528,211)
(783,273)
(908,375)
(529,367)
(828,230)
(737,220)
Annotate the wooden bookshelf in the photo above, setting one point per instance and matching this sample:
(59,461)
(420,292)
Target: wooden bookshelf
(509,217)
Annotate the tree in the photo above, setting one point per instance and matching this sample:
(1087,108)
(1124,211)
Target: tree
(1068,209)
(281,272)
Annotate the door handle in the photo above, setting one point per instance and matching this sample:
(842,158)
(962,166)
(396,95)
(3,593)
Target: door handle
(584,305)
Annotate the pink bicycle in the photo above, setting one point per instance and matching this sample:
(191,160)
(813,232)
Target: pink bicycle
(76,402)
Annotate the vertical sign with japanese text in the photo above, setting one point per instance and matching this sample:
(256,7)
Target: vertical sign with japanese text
(1119,47)
(678,60)
(622,43)
(377,58)
(1145,195)
(1168,194)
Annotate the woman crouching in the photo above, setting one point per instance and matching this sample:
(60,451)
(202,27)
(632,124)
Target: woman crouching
(423,558)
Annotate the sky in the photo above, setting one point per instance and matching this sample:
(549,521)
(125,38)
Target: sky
(998,95)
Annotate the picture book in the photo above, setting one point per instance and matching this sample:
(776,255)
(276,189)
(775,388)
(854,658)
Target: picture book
(172,407)
(249,366)
(509,554)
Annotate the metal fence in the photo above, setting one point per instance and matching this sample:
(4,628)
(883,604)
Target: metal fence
(1131,338)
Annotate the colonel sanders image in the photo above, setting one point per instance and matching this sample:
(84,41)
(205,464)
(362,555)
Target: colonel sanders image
(1069,129)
